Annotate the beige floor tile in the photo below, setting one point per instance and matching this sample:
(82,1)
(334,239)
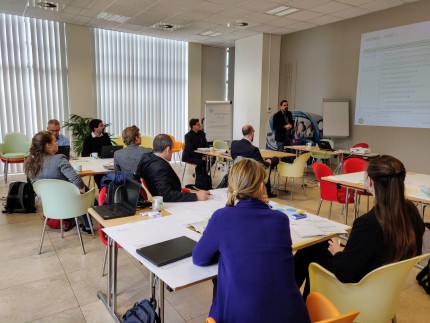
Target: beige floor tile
(36,300)
(86,283)
(16,231)
(71,316)
(200,319)
(413,309)
(96,312)
(19,271)
(26,246)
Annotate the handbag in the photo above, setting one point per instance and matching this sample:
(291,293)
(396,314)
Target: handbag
(143,312)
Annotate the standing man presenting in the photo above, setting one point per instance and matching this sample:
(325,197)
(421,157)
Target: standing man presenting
(54,128)
(284,126)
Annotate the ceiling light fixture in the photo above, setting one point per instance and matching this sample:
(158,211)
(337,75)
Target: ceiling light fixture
(210,33)
(281,11)
(47,5)
(166,26)
(112,17)
(241,24)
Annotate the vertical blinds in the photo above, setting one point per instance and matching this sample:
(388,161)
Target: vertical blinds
(143,81)
(33,75)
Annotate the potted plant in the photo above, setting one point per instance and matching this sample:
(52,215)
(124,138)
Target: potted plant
(80,129)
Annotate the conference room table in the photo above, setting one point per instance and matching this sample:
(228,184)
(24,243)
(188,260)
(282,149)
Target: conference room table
(414,185)
(134,232)
(92,166)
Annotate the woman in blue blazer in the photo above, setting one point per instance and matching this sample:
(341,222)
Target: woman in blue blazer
(252,245)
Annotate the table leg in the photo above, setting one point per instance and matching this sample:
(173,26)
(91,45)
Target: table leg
(346,205)
(161,301)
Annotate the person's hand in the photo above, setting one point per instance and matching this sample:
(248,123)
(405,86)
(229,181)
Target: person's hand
(334,247)
(288,126)
(202,195)
(269,161)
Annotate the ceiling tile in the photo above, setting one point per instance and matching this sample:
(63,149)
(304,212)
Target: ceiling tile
(235,13)
(331,7)
(210,7)
(351,12)
(121,11)
(258,17)
(302,25)
(193,14)
(259,5)
(381,4)
(281,31)
(281,22)
(305,4)
(263,28)
(354,2)
(146,19)
(323,20)
(217,19)
(303,15)
(164,9)
(137,5)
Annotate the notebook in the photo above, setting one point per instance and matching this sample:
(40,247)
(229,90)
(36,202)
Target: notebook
(107,151)
(64,150)
(169,251)
(324,145)
(128,205)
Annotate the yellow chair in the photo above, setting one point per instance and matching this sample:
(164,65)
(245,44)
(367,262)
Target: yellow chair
(118,141)
(321,310)
(62,200)
(147,141)
(375,295)
(321,156)
(294,170)
(14,149)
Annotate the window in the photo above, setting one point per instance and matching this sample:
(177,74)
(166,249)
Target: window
(141,80)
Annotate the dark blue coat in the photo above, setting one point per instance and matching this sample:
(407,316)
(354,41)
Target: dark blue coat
(252,245)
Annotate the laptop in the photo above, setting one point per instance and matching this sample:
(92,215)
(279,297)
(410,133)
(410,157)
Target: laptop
(324,145)
(107,151)
(169,251)
(64,150)
(128,205)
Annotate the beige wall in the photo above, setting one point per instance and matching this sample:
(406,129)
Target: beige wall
(323,63)
(194,81)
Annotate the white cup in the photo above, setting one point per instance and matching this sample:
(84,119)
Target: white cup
(157,203)
(308,145)
(95,155)
(78,168)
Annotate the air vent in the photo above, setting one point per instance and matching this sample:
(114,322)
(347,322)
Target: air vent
(166,26)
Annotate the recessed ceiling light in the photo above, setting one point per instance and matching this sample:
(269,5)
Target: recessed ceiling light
(112,17)
(281,11)
(241,24)
(166,26)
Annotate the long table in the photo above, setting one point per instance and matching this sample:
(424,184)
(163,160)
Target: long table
(92,166)
(132,233)
(413,184)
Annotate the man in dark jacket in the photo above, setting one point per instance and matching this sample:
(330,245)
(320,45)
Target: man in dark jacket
(194,139)
(160,177)
(283,124)
(245,148)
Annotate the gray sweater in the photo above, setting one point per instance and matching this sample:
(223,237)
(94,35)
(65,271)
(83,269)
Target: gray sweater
(128,158)
(58,167)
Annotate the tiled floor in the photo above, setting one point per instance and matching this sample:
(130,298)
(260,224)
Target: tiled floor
(61,284)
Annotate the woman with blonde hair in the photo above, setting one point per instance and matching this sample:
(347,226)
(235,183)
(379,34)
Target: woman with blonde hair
(252,245)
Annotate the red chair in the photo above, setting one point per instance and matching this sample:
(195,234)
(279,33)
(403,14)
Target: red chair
(354,165)
(328,190)
(103,236)
(361,145)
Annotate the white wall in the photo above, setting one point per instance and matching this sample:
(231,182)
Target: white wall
(323,63)
(194,81)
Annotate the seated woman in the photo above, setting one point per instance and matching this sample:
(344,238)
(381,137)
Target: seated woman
(391,231)
(252,245)
(128,158)
(43,163)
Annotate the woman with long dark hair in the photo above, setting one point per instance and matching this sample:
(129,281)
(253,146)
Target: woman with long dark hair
(252,245)
(391,231)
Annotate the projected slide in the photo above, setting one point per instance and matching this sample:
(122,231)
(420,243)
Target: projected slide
(394,77)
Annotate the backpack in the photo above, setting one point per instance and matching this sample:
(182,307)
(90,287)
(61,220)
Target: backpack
(68,224)
(203,181)
(143,312)
(21,198)
(224,182)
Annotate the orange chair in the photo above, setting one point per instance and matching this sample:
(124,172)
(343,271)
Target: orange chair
(322,310)
(210,320)
(177,146)
(329,191)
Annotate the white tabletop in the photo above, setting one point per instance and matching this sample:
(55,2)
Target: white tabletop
(91,164)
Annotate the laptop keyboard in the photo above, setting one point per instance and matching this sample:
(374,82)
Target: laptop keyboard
(113,211)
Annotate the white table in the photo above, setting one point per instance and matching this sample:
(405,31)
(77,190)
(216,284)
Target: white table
(91,165)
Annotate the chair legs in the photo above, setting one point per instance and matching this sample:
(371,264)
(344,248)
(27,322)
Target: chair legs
(80,236)
(6,168)
(319,207)
(43,235)
(183,174)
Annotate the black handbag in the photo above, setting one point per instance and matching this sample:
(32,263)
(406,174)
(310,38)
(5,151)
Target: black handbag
(423,278)
(203,181)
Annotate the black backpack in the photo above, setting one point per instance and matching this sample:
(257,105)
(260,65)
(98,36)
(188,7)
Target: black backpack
(20,198)
(143,312)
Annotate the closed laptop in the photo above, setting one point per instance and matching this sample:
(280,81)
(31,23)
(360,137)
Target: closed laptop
(64,150)
(169,251)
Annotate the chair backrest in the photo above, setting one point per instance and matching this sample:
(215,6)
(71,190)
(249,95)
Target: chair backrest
(361,145)
(146,141)
(328,190)
(118,141)
(322,310)
(146,194)
(321,170)
(220,144)
(296,169)
(353,165)
(375,295)
(176,144)
(210,320)
(62,199)
(15,142)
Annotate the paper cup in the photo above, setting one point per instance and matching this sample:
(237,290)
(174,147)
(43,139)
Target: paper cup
(94,155)
(157,203)
(78,168)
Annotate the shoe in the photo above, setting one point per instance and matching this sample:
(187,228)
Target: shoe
(86,230)
(272,195)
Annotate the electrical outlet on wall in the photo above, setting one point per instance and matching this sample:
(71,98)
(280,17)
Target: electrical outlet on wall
(269,109)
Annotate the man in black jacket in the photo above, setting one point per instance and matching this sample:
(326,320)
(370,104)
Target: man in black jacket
(283,124)
(245,148)
(195,138)
(160,177)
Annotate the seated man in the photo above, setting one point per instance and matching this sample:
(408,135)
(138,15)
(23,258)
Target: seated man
(194,139)
(94,142)
(129,157)
(54,127)
(245,148)
(160,177)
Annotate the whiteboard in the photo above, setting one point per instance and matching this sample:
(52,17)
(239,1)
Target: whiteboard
(336,117)
(219,120)
(393,87)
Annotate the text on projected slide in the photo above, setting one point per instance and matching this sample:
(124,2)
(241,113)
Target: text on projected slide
(393,80)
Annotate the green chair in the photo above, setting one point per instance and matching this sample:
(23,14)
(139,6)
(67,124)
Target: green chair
(14,149)
(220,145)
(62,200)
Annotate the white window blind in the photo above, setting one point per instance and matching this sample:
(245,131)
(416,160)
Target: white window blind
(33,75)
(143,81)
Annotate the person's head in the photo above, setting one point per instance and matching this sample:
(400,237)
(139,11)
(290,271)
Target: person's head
(54,127)
(248,132)
(246,181)
(386,178)
(131,135)
(162,146)
(283,105)
(97,126)
(195,125)
(43,143)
